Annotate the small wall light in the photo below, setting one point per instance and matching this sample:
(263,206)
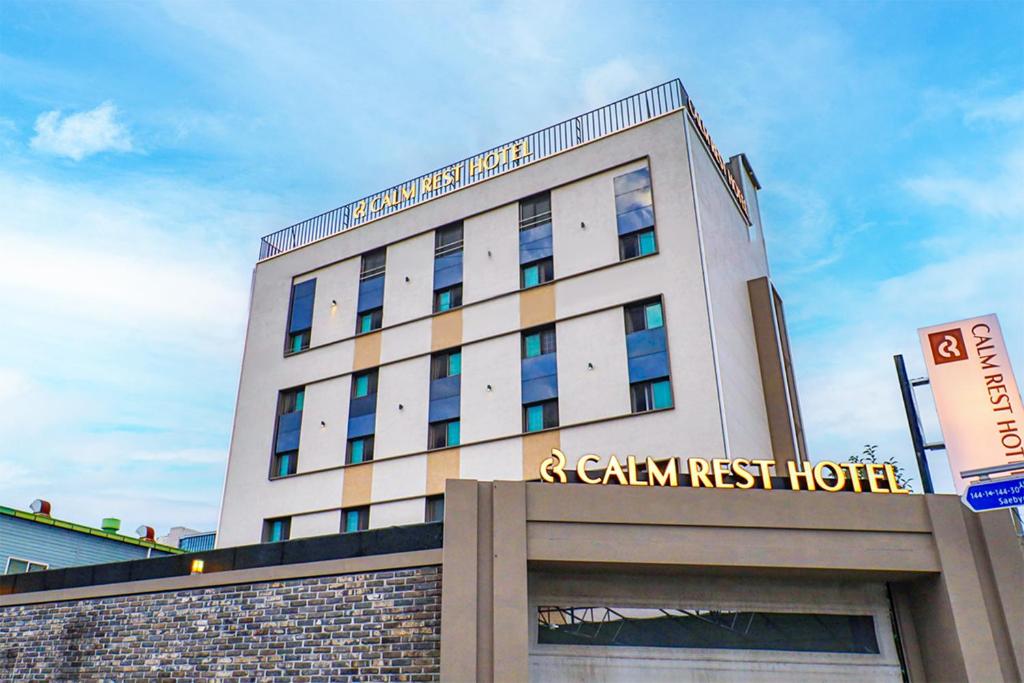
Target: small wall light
(323,425)
(334,302)
(488,253)
(590,366)
(490,388)
(400,406)
(407,278)
(197,566)
(583,225)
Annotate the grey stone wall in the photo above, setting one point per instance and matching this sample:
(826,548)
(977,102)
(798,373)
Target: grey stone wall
(377,626)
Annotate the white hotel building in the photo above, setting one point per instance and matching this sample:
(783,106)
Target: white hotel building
(600,286)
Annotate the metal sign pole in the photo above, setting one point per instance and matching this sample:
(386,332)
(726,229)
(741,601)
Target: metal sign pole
(914,422)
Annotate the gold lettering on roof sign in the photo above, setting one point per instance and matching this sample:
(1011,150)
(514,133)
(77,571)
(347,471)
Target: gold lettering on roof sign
(439,182)
(722,473)
(734,185)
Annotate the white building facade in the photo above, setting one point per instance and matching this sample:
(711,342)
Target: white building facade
(604,294)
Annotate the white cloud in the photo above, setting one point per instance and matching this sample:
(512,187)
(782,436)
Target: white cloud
(611,81)
(1008,109)
(77,136)
(997,196)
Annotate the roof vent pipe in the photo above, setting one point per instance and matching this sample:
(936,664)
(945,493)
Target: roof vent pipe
(40,507)
(110,524)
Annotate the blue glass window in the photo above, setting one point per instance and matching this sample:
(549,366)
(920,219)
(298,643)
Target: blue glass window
(537,273)
(444,434)
(359,450)
(275,530)
(651,395)
(538,416)
(355,519)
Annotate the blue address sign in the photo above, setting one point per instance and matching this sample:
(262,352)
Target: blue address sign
(995,494)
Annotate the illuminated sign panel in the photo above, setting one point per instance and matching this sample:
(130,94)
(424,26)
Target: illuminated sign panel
(721,473)
(976,396)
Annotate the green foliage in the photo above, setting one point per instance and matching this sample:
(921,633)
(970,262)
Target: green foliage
(870,455)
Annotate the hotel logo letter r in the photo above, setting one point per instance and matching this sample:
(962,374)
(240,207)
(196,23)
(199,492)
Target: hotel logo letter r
(553,468)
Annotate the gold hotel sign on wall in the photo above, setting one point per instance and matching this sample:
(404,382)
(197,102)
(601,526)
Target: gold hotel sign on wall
(720,473)
(442,180)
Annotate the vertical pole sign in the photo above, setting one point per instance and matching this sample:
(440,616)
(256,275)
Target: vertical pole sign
(977,399)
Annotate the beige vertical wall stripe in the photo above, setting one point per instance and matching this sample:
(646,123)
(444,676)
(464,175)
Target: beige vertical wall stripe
(536,306)
(773,378)
(441,466)
(536,447)
(357,485)
(446,330)
(367,353)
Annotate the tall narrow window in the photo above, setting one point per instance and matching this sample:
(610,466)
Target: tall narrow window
(634,209)
(355,519)
(539,373)
(448,268)
(300,316)
(287,432)
(370,307)
(362,417)
(434,509)
(278,529)
(536,264)
(650,386)
(444,429)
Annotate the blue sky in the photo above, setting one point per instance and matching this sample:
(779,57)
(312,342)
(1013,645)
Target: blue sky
(145,148)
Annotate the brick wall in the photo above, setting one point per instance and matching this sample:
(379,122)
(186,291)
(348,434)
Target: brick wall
(376,626)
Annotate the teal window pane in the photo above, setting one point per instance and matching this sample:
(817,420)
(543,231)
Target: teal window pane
(283,464)
(662,394)
(444,300)
(362,386)
(531,276)
(455,364)
(276,530)
(646,243)
(453,433)
(532,345)
(357,451)
(534,418)
(652,312)
(365,322)
(296,343)
(300,399)
(352,520)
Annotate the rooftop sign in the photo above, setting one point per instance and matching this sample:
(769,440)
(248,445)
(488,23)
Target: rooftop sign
(611,118)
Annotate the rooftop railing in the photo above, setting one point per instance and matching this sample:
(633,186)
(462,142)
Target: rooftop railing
(611,118)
